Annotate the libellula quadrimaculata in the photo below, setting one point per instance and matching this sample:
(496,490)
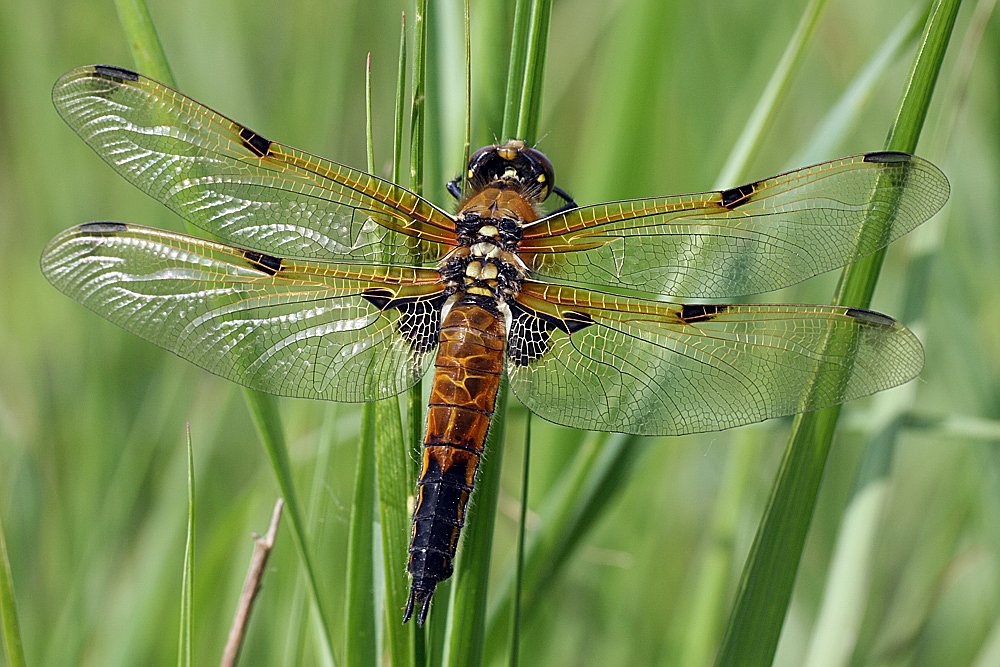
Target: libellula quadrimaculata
(316,293)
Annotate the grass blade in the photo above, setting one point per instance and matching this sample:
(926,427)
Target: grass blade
(715,565)
(264,412)
(359,603)
(394,470)
(394,487)
(415,396)
(568,513)
(515,633)
(846,112)
(515,69)
(187,580)
(9,625)
(763,113)
(149,56)
(766,585)
(143,40)
(359,610)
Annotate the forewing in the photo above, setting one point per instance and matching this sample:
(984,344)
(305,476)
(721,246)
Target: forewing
(756,238)
(608,363)
(290,327)
(232,182)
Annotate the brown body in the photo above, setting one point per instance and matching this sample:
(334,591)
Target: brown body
(467,376)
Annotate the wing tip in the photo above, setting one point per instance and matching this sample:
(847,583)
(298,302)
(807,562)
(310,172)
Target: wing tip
(114,73)
(872,317)
(103,227)
(887,157)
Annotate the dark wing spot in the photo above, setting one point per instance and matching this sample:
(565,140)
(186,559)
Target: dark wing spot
(104,227)
(257,144)
(378,297)
(266,263)
(870,317)
(115,73)
(734,197)
(701,312)
(887,157)
(419,318)
(530,330)
(420,321)
(573,322)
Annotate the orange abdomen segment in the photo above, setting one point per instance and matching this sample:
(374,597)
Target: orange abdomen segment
(466,380)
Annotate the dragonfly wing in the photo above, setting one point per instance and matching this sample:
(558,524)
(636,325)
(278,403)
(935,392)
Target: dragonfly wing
(290,327)
(232,182)
(755,238)
(602,362)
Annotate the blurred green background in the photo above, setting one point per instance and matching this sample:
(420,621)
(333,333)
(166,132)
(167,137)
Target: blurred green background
(640,98)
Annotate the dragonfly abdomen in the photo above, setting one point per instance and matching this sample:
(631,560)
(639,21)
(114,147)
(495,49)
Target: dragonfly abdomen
(466,380)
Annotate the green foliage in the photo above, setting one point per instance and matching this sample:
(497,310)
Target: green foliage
(633,550)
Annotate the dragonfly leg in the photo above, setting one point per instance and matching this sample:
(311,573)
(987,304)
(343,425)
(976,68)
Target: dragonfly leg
(454,187)
(562,194)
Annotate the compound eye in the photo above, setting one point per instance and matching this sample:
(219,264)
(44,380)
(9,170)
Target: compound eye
(480,155)
(544,173)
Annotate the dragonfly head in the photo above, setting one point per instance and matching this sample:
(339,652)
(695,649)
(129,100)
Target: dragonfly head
(514,165)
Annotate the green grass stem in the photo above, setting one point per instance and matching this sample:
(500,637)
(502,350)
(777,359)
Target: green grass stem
(9,625)
(186,634)
(766,585)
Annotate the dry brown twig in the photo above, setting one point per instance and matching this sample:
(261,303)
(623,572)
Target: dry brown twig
(261,552)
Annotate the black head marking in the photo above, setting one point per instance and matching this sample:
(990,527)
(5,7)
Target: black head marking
(701,312)
(119,74)
(266,263)
(738,196)
(257,144)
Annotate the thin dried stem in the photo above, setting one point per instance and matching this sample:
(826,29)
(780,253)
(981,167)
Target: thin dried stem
(261,551)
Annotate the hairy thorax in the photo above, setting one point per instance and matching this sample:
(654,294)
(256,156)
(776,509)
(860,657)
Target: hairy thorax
(489,228)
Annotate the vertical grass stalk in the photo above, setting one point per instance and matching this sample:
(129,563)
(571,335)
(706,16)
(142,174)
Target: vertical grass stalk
(10,628)
(766,585)
(149,56)
(184,641)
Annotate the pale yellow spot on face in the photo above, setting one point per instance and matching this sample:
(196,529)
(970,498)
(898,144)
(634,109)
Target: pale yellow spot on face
(541,178)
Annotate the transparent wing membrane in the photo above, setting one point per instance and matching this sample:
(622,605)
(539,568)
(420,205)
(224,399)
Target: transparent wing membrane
(755,238)
(288,327)
(232,182)
(608,363)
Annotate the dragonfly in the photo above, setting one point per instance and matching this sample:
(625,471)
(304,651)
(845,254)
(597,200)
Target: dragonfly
(332,283)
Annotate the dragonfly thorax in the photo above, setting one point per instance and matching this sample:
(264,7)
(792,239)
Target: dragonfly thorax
(491,227)
(484,269)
